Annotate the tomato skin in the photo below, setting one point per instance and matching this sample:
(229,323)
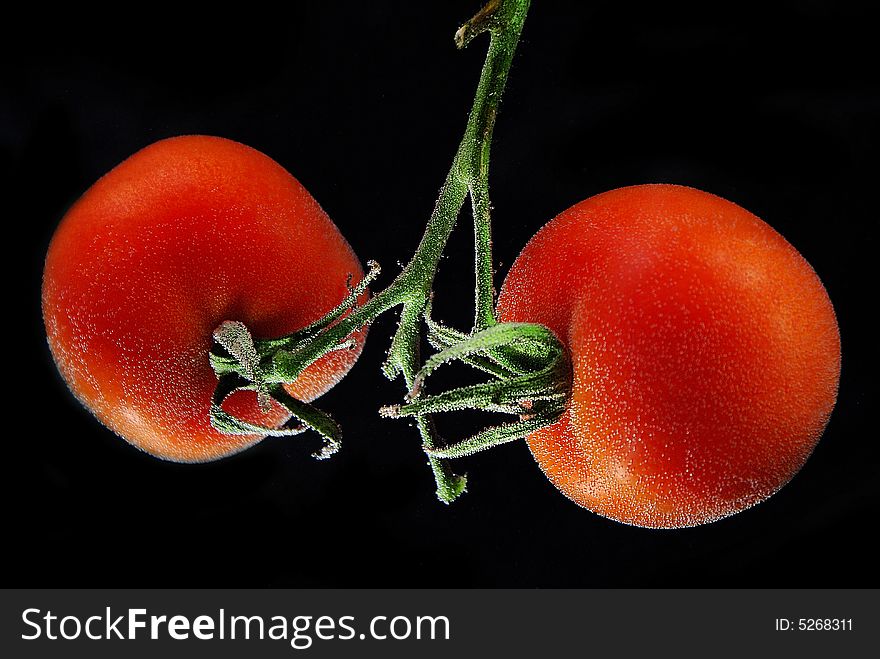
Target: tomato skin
(187,233)
(705,354)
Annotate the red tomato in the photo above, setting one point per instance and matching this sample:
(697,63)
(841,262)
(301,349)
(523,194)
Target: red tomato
(185,234)
(705,353)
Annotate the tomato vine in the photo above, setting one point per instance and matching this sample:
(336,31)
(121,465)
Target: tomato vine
(528,366)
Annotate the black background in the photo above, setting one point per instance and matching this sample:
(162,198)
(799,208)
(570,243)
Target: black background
(772,105)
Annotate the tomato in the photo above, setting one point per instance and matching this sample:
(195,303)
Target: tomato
(185,234)
(704,348)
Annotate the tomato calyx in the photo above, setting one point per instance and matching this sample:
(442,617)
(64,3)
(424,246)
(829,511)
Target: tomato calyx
(302,416)
(242,363)
(530,379)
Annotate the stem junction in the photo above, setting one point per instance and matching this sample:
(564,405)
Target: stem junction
(528,367)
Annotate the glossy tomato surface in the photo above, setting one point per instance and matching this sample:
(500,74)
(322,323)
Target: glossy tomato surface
(185,234)
(705,353)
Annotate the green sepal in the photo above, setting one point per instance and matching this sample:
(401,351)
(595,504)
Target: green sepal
(303,417)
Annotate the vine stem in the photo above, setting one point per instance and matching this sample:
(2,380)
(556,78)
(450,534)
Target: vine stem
(286,358)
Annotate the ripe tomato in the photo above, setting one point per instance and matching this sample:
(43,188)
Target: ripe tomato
(185,234)
(705,354)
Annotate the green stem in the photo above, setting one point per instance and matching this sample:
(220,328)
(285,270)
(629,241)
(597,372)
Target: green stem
(491,437)
(484,305)
(284,359)
(469,168)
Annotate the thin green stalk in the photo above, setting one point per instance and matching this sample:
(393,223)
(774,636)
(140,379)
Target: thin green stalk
(484,303)
(283,360)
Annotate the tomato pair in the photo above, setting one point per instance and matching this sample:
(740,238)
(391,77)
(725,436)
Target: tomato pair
(705,350)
